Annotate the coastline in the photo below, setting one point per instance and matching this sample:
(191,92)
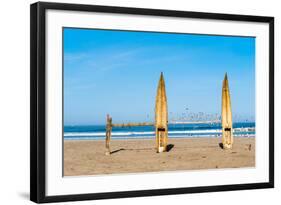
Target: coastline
(87,157)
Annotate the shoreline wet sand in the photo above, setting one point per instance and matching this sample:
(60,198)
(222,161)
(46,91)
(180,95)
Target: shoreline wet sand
(87,157)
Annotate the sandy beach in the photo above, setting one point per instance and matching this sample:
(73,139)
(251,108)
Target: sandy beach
(87,157)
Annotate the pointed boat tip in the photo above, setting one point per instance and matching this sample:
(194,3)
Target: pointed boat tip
(161,75)
(225,76)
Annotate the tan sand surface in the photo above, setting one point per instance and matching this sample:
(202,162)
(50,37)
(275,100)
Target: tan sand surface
(83,157)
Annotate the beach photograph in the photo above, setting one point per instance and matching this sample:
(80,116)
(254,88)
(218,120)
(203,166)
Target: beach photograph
(142,101)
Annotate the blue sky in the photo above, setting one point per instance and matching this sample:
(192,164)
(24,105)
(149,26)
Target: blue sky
(117,72)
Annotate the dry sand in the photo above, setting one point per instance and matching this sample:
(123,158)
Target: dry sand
(131,156)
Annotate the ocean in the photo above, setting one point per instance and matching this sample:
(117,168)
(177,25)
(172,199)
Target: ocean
(97,132)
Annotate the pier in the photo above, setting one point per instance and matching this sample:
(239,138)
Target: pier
(197,122)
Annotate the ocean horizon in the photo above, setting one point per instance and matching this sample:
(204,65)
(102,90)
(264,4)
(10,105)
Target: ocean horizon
(97,132)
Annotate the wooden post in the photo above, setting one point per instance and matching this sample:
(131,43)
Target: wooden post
(226,116)
(108,134)
(161,117)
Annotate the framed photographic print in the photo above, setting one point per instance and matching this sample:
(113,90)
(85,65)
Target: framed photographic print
(129,102)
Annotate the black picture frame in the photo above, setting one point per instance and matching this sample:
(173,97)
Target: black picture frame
(38,101)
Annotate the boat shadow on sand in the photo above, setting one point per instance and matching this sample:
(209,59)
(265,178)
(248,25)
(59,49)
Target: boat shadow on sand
(169,148)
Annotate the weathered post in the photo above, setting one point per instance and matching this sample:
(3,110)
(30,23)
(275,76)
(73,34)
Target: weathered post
(161,117)
(226,116)
(108,134)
